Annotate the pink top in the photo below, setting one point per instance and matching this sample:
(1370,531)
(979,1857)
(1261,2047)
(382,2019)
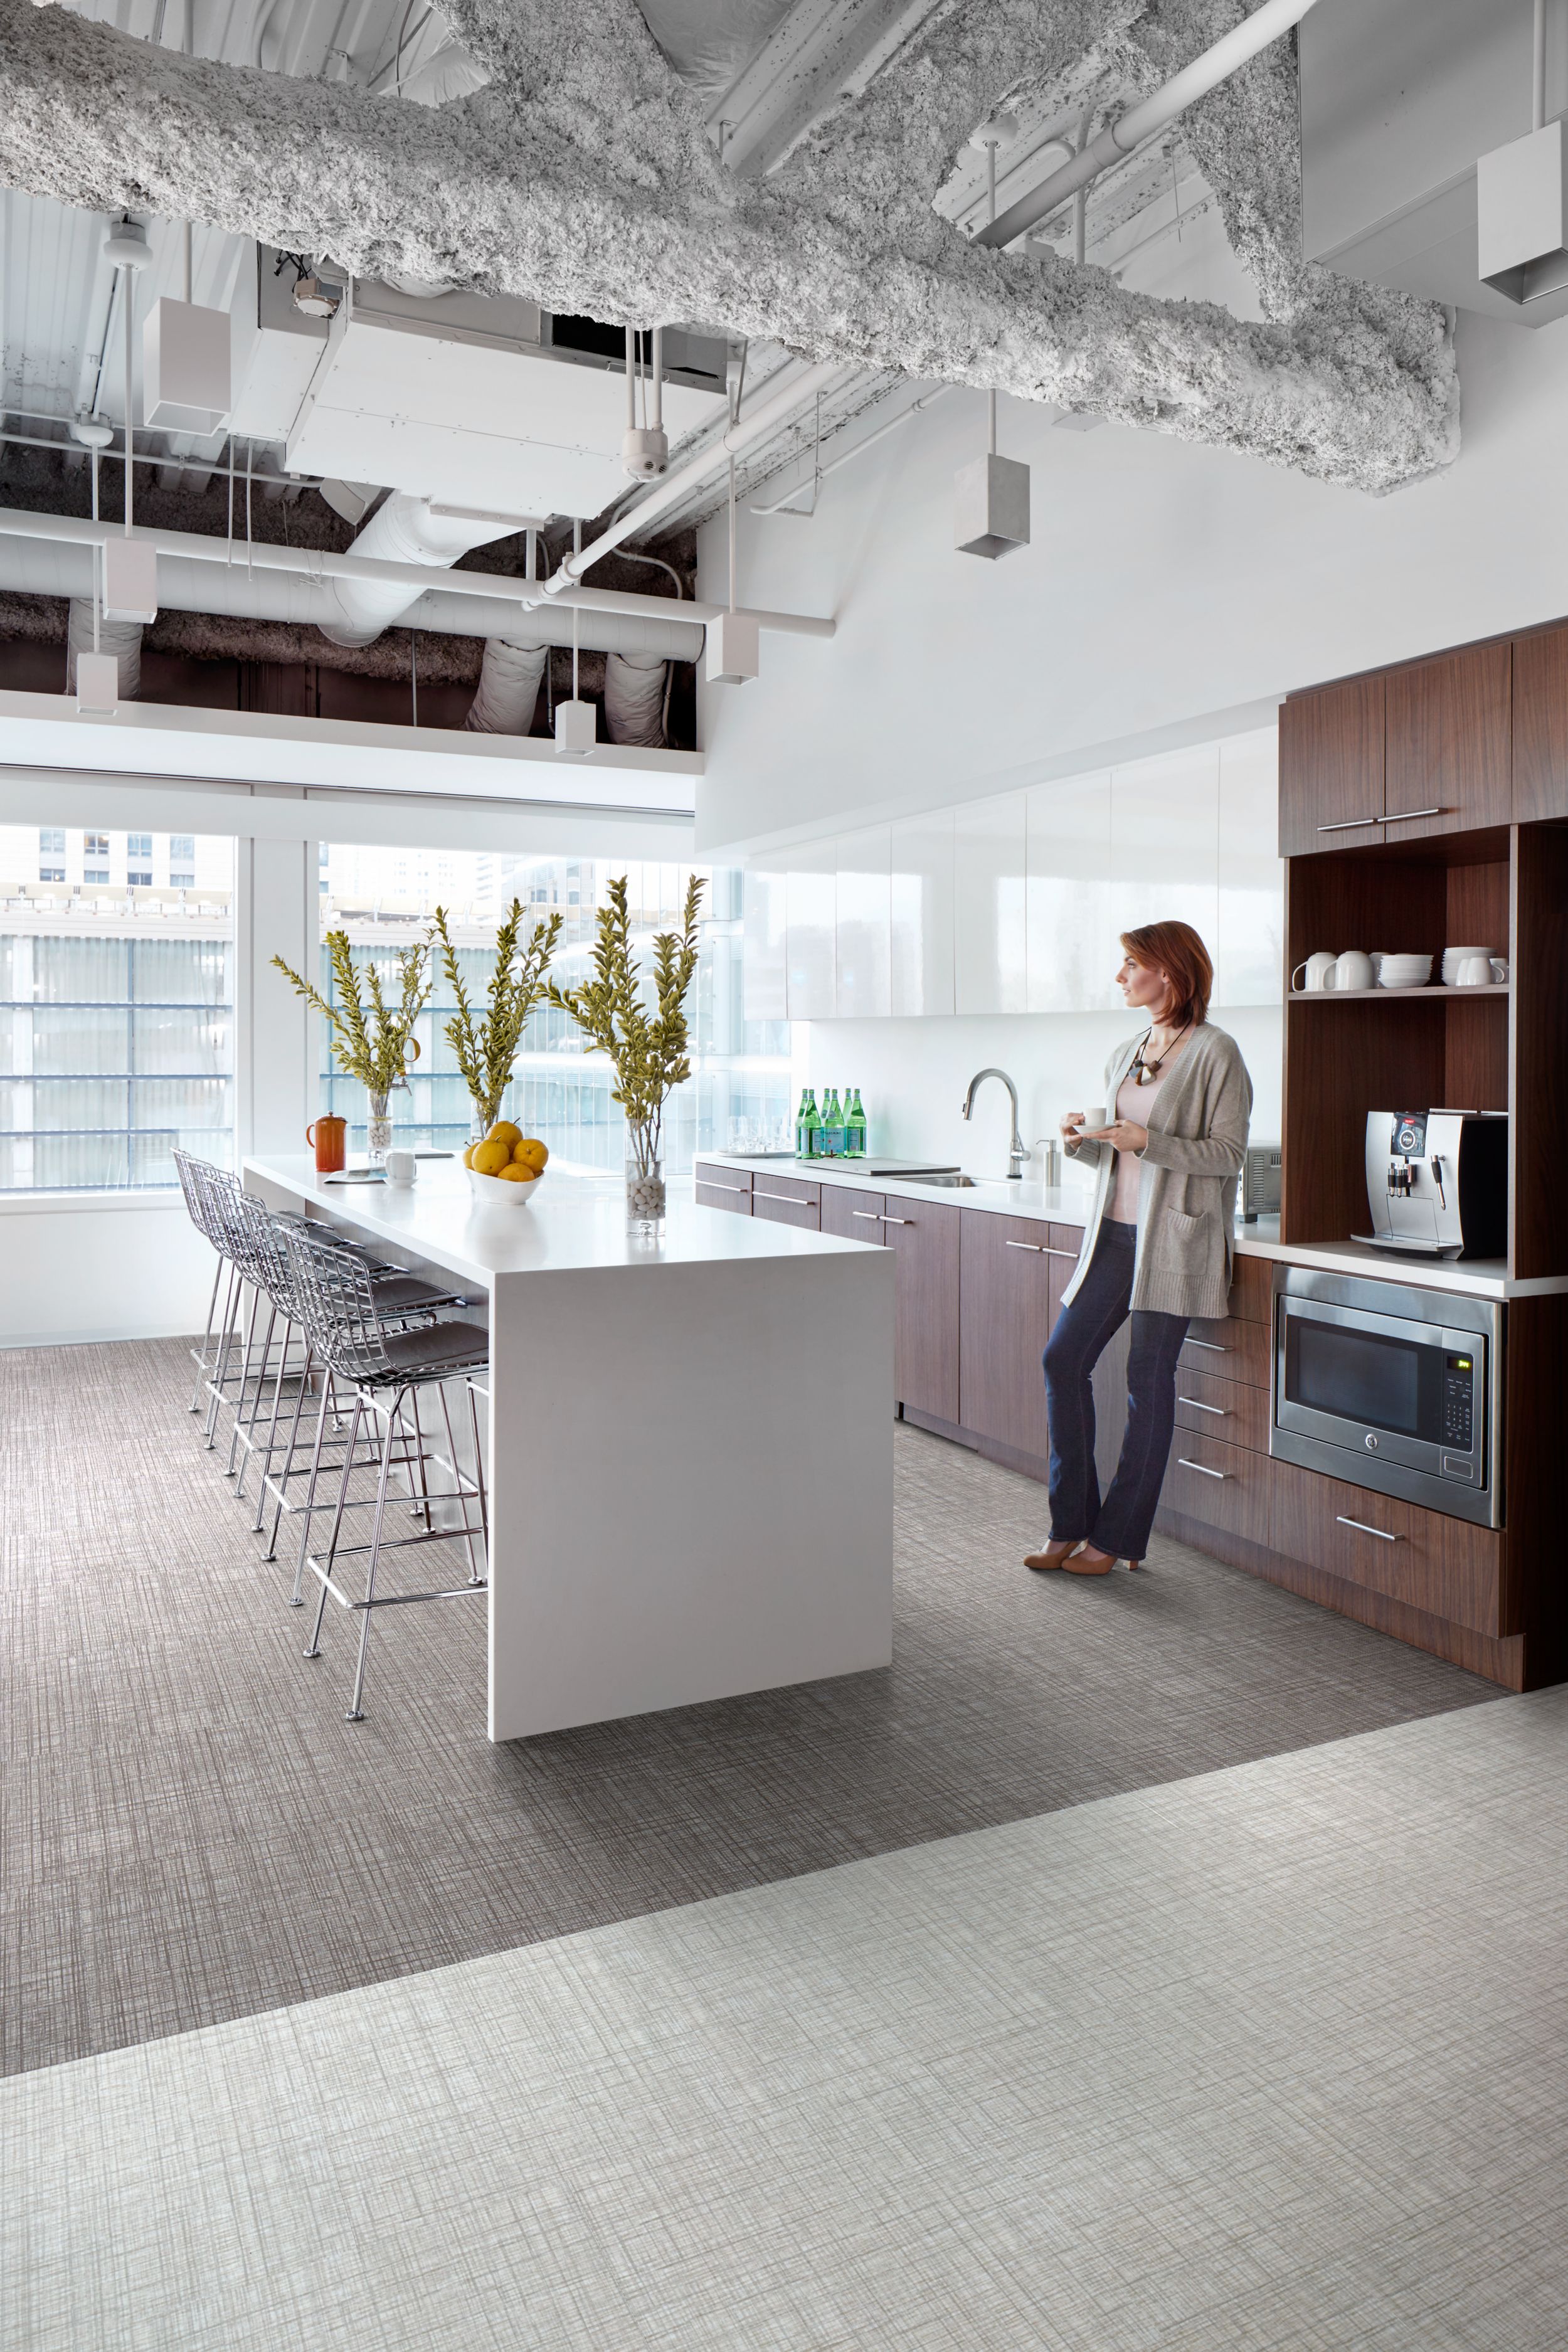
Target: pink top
(1133,1102)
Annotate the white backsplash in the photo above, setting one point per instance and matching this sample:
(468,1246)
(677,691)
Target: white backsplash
(912,1076)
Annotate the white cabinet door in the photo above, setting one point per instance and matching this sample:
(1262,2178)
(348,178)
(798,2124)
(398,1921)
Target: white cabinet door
(920,906)
(763,893)
(1071,914)
(989,966)
(811,952)
(863,912)
(1249,940)
(1164,843)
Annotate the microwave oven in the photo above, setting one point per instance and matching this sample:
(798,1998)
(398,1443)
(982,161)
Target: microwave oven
(1391,1388)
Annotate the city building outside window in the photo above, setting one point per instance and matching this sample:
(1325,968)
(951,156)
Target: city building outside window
(116,1016)
(739,1093)
(51,854)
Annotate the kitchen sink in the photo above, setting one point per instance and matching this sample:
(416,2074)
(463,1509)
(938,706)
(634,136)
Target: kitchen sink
(952,1179)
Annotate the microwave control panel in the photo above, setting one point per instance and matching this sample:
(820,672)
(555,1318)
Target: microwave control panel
(1460,1402)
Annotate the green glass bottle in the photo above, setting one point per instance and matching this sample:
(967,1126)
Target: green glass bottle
(831,1141)
(854,1127)
(807,1125)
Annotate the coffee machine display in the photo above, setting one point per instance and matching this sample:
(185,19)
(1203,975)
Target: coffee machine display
(1436,1182)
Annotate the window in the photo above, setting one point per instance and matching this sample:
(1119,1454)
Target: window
(116,1030)
(740,1072)
(182,881)
(95,845)
(138,849)
(51,841)
(138,881)
(182,849)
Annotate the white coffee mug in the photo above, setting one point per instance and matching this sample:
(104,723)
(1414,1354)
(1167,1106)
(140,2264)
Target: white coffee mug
(1476,971)
(1499,968)
(1093,1118)
(1317,968)
(401,1167)
(1353,970)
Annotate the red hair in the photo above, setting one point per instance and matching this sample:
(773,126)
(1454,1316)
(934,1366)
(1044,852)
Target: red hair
(1177,949)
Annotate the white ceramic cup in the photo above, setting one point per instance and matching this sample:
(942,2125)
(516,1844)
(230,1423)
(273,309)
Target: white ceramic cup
(1500,967)
(1318,969)
(402,1167)
(1476,971)
(1355,970)
(1093,1118)
(1454,957)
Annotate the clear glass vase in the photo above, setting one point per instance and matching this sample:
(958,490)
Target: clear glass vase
(645,1192)
(378,1129)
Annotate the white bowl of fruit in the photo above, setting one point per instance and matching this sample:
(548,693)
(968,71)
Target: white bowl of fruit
(506,1168)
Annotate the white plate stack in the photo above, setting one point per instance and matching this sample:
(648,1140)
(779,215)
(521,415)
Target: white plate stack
(1403,971)
(1453,958)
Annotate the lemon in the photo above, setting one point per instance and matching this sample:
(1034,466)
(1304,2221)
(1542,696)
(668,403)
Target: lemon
(530,1153)
(504,1133)
(516,1174)
(490,1158)
(468,1155)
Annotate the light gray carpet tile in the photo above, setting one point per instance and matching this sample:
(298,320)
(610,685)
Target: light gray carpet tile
(1269,2061)
(193,1832)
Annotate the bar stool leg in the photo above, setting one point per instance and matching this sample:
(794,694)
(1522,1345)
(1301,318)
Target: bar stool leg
(355,1712)
(244,1421)
(305,1376)
(233,1300)
(201,1366)
(315,1650)
(265,1470)
(479,1473)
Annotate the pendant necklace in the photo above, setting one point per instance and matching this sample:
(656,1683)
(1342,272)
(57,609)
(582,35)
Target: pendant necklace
(1146,1071)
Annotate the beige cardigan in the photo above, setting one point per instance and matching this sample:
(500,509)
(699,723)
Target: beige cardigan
(1186,1196)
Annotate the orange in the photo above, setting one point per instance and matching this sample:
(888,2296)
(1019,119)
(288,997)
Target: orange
(490,1158)
(514,1175)
(531,1154)
(469,1156)
(504,1133)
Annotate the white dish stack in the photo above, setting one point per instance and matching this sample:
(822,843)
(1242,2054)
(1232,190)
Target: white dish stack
(1402,970)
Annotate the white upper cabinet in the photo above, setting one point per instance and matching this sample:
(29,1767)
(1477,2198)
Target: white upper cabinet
(810,932)
(1249,939)
(990,972)
(1070,899)
(921,907)
(1164,843)
(763,894)
(864,924)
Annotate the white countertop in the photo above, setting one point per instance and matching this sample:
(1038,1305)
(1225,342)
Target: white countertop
(571,1224)
(1070,1205)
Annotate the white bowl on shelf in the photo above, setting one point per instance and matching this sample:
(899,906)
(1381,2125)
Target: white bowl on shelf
(503,1191)
(1404,971)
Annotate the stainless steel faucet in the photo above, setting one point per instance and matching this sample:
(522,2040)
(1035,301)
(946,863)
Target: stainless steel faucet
(1016,1151)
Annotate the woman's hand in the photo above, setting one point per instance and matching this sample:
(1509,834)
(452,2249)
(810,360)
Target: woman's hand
(1069,1123)
(1122,1135)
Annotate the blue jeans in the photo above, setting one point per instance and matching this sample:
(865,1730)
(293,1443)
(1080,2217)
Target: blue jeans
(1085,1328)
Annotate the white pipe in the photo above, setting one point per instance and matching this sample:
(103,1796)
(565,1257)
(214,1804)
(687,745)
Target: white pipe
(405,531)
(845,456)
(1141,121)
(1538,74)
(752,424)
(634,700)
(509,685)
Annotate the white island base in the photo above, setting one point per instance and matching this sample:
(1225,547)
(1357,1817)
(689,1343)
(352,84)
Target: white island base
(689,1456)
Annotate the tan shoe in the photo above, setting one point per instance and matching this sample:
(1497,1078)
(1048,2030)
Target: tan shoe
(1055,1555)
(1086,1562)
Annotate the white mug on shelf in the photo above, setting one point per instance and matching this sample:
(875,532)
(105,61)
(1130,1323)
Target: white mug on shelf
(1499,968)
(1319,969)
(1455,958)
(1353,970)
(1476,971)
(401,1167)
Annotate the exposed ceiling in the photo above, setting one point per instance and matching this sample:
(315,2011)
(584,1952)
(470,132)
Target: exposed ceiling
(798,177)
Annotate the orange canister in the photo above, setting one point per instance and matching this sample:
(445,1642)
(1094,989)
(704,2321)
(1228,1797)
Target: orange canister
(330,1137)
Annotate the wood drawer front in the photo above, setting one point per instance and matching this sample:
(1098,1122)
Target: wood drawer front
(1251,1290)
(1226,1410)
(782,1208)
(724,1196)
(720,1178)
(1066,1240)
(857,1216)
(1220,1485)
(1233,1349)
(1445,1567)
(779,1189)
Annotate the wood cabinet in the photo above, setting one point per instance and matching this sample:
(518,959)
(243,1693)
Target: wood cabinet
(1236,1351)
(1444,1567)
(1220,1485)
(787,1201)
(717,1187)
(1540,725)
(853,1215)
(925,1238)
(1211,1406)
(1331,767)
(1447,750)
(1251,1297)
(1014,1271)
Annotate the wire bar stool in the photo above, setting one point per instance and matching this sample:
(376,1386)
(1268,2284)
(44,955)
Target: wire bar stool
(386,1372)
(189,1170)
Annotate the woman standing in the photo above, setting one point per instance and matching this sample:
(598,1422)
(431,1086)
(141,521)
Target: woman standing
(1157,1245)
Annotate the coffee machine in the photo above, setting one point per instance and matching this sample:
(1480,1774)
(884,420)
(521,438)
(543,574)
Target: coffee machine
(1436,1182)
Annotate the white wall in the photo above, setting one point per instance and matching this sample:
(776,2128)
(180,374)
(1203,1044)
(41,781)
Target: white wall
(912,1076)
(1165,583)
(73,1268)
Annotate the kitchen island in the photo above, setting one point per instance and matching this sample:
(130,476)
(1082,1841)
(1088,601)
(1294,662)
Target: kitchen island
(689,1445)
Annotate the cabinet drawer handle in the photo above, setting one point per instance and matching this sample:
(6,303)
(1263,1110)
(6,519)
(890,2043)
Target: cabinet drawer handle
(1403,817)
(867,1216)
(793,1199)
(1353,824)
(1074,1255)
(1361,1525)
(1202,1469)
(1220,1412)
(1212,1344)
(711,1185)
(1039,1247)
(895,1221)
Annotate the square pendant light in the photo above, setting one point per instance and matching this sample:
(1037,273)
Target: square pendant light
(991,507)
(130,580)
(97,685)
(1521,216)
(731,655)
(184,368)
(576,728)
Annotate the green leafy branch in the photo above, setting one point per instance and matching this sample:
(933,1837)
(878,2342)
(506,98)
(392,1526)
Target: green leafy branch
(486,1047)
(648,1045)
(371,1039)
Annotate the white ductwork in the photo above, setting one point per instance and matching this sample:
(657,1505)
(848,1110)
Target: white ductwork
(404,530)
(637,697)
(120,638)
(508,691)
